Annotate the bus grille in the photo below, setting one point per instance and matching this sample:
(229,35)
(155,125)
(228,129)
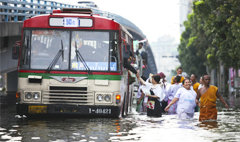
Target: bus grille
(68,95)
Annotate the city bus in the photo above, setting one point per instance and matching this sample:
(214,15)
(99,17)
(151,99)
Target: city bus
(71,62)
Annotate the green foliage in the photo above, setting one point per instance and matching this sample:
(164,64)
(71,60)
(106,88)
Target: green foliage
(212,35)
(191,61)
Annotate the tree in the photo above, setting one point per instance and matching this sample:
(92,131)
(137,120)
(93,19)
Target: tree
(222,26)
(191,60)
(212,35)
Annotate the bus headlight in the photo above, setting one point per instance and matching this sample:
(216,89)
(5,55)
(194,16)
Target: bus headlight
(107,98)
(99,97)
(28,95)
(32,96)
(36,95)
(102,97)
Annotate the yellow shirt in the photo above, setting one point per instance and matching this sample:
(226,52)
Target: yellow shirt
(172,82)
(195,86)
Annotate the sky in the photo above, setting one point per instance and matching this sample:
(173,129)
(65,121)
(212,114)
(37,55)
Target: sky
(156,18)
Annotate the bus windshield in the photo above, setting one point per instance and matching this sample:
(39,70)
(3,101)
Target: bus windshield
(98,50)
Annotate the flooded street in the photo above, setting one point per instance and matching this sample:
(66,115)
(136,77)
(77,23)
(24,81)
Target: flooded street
(135,127)
(169,128)
(103,57)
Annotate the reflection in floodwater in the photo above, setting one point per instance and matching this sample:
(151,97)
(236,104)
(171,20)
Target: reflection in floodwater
(169,128)
(209,124)
(135,127)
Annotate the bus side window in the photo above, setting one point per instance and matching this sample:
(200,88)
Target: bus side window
(123,45)
(114,52)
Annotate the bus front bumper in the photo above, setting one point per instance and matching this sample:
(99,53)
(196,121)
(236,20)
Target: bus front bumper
(85,110)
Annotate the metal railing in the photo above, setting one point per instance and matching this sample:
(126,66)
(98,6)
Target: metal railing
(19,10)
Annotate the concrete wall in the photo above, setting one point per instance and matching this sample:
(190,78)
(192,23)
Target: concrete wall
(10,29)
(6,62)
(10,32)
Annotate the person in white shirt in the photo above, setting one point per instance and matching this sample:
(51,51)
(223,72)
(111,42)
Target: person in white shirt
(171,93)
(164,84)
(154,93)
(201,83)
(141,107)
(186,101)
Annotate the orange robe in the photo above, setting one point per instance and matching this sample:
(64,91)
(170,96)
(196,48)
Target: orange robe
(172,80)
(208,110)
(195,86)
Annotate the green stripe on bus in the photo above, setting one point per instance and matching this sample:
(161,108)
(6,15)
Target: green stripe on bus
(90,76)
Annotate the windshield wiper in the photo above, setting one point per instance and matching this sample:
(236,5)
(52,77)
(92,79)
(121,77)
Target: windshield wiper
(55,59)
(79,57)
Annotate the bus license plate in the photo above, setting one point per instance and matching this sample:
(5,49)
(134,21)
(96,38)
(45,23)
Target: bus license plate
(37,109)
(100,111)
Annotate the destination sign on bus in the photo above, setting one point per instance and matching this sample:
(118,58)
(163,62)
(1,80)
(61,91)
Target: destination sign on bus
(71,22)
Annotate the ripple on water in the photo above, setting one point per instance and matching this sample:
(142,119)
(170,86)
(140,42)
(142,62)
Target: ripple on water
(6,137)
(135,127)
(2,129)
(58,140)
(167,128)
(35,138)
(15,126)
(1,133)
(14,139)
(76,134)
(94,138)
(12,130)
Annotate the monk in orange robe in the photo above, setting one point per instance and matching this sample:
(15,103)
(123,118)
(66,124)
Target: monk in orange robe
(208,95)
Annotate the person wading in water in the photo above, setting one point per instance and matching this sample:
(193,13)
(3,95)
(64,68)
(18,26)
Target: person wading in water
(208,95)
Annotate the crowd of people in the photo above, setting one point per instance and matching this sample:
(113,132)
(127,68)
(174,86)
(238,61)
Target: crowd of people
(183,97)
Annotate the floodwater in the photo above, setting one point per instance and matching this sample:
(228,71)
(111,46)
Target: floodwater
(135,127)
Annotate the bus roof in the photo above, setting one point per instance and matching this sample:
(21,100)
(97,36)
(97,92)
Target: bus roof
(45,20)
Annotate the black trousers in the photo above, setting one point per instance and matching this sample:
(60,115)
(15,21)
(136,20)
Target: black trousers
(157,111)
(164,105)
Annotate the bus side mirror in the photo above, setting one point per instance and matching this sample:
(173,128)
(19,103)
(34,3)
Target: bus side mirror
(15,49)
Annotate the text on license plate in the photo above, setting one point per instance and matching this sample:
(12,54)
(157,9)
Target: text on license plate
(100,111)
(37,109)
